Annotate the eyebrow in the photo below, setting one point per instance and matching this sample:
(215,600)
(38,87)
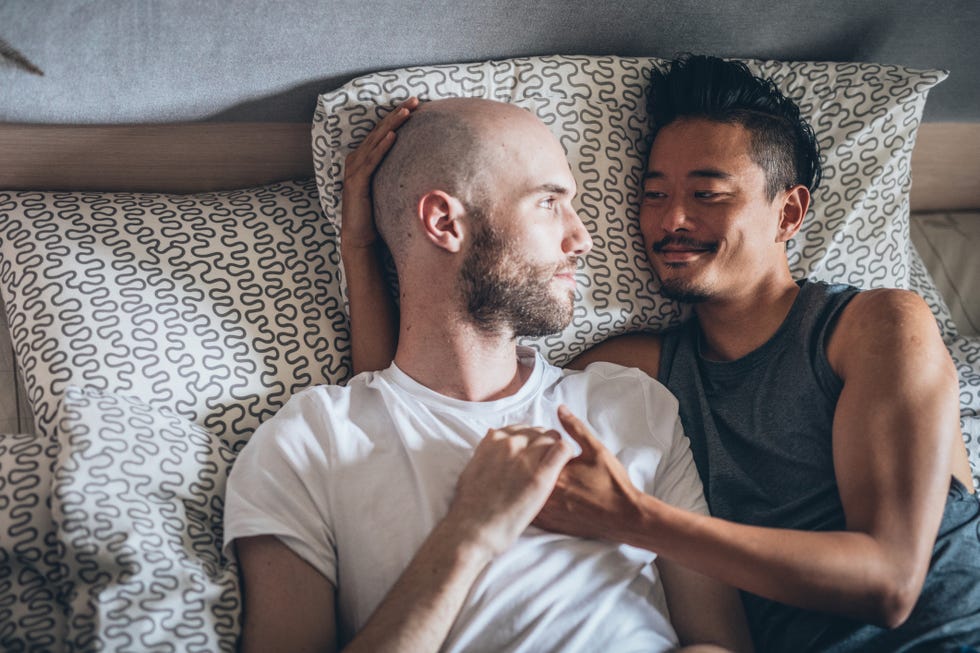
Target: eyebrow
(557,189)
(703,173)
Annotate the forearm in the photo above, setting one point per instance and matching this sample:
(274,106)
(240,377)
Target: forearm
(420,608)
(504,485)
(373,317)
(849,573)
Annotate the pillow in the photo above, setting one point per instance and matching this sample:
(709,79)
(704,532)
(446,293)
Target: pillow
(32,614)
(218,306)
(866,116)
(138,499)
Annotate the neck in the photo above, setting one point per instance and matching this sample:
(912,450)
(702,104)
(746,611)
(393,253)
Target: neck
(732,327)
(454,358)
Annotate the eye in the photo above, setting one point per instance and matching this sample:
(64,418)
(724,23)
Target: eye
(708,195)
(652,195)
(548,203)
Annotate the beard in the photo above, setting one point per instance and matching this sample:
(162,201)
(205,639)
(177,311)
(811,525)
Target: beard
(682,290)
(503,290)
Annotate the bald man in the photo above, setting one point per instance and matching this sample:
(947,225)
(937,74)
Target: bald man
(393,514)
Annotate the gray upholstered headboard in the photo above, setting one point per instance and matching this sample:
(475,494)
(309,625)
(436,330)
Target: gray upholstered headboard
(118,61)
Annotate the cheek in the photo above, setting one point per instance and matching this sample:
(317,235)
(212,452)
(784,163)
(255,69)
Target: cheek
(648,222)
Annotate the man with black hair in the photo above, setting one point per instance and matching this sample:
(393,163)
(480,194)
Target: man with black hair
(823,419)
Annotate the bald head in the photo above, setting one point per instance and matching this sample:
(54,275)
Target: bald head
(453,145)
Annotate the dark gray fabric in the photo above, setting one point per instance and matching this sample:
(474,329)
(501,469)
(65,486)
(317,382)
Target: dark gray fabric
(760,429)
(119,61)
(769,411)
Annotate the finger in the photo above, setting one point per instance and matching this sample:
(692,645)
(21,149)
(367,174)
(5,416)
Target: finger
(514,429)
(369,154)
(391,122)
(374,155)
(578,430)
(401,113)
(556,457)
(531,433)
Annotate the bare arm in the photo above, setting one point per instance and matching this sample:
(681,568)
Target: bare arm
(895,431)
(640,350)
(373,318)
(702,609)
(290,606)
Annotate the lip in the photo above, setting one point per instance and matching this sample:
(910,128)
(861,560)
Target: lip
(568,278)
(680,254)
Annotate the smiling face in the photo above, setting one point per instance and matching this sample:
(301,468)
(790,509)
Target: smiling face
(519,270)
(710,230)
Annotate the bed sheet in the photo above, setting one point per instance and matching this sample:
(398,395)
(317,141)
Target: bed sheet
(949,244)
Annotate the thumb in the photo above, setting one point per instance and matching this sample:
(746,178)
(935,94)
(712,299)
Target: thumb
(578,431)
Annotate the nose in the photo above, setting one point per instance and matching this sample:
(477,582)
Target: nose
(577,239)
(673,216)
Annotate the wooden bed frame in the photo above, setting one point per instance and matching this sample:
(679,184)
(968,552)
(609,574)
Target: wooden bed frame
(194,157)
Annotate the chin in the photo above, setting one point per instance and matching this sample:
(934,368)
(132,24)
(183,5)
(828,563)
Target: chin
(684,291)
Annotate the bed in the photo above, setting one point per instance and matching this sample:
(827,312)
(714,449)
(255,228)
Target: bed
(167,287)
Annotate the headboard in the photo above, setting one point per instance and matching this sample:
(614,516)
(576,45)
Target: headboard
(192,157)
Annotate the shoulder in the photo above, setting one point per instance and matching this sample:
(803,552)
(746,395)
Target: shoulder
(883,322)
(884,311)
(620,393)
(300,422)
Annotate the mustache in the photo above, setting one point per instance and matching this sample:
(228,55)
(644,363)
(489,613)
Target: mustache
(685,242)
(570,266)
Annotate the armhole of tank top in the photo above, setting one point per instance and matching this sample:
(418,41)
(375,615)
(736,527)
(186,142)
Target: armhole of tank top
(669,345)
(829,380)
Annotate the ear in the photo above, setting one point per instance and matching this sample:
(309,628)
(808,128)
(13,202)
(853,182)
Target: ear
(795,203)
(440,214)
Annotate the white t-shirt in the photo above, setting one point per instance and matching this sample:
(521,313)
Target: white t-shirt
(354,478)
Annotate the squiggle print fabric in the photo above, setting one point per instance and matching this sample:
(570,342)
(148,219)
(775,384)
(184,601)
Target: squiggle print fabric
(219,306)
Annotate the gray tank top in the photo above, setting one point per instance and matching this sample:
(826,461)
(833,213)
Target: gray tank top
(760,425)
(760,430)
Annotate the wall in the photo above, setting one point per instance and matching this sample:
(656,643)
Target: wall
(119,61)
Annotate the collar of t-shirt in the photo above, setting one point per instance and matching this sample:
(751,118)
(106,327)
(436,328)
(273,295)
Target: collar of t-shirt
(525,356)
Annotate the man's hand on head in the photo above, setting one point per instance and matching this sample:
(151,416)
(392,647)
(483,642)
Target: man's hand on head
(502,488)
(357,230)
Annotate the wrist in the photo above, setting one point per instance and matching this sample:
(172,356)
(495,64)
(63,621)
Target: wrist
(358,250)
(466,539)
(644,526)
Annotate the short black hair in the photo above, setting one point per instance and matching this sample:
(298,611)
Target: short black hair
(699,86)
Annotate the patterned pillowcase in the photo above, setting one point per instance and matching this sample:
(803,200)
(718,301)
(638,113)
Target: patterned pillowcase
(138,497)
(32,614)
(866,116)
(218,306)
